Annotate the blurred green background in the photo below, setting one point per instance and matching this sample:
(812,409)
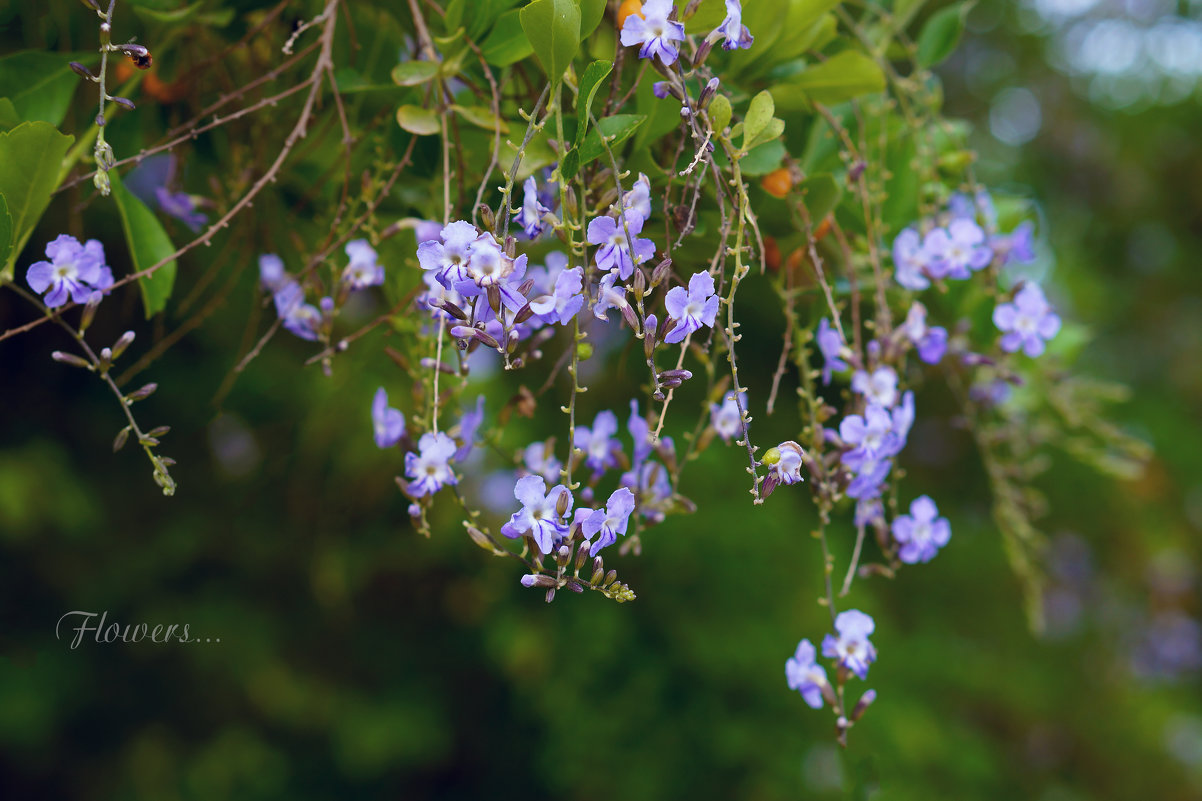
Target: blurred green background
(359,660)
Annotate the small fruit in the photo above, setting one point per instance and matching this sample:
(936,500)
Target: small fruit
(778,182)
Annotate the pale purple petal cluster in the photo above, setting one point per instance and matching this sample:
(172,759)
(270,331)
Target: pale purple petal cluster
(803,675)
(610,522)
(921,533)
(850,645)
(364,269)
(726,419)
(734,32)
(930,341)
(542,514)
(692,308)
(75,272)
(613,251)
(530,216)
(180,205)
(429,470)
(539,459)
(1028,322)
(958,250)
(388,423)
(600,449)
(831,345)
(655,34)
(878,386)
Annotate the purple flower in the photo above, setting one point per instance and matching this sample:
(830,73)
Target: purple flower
(930,341)
(609,296)
(911,260)
(638,199)
(531,215)
(732,28)
(956,250)
(430,468)
(539,459)
(903,418)
(661,89)
(726,419)
(961,205)
(302,319)
(787,467)
(654,31)
(804,676)
(1027,322)
(870,476)
(611,521)
(363,271)
(640,434)
(469,424)
(872,435)
(435,293)
(600,449)
(851,647)
(389,424)
(879,386)
(180,205)
(868,512)
(693,308)
(654,488)
(614,251)
(921,533)
(541,512)
(272,274)
(830,343)
(426,230)
(565,301)
(1016,247)
(448,259)
(74,271)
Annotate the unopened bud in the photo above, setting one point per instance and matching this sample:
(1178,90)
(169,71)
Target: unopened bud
(82,71)
(71,359)
(563,503)
(450,308)
(524,314)
(865,701)
(494,299)
(630,316)
(124,102)
(89,311)
(610,578)
(707,94)
(538,580)
(486,216)
(702,53)
(563,555)
(142,393)
(478,537)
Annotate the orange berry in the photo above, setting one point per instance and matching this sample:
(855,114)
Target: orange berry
(822,230)
(627,8)
(771,254)
(778,182)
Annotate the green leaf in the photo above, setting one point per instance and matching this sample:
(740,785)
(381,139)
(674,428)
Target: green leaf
(841,77)
(9,118)
(418,120)
(821,193)
(31,157)
(507,44)
(6,231)
(40,84)
(594,74)
(941,34)
(553,28)
(759,114)
(904,11)
(177,15)
(414,73)
(719,112)
(591,12)
(709,15)
(619,126)
(763,159)
(148,245)
(481,117)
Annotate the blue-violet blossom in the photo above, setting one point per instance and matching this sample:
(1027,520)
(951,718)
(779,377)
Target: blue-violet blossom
(388,423)
(921,533)
(430,468)
(804,676)
(652,29)
(610,521)
(1027,322)
(691,308)
(852,647)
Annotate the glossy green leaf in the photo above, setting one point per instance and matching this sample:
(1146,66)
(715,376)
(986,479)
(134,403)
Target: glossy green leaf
(709,15)
(941,34)
(619,126)
(175,15)
(843,76)
(39,84)
(763,159)
(481,117)
(148,245)
(553,28)
(591,12)
(9,118)
(31,158)
(720,112)
(759,114)
(590,82)
(414,73)
(820,193)
(418,120)
(507,43)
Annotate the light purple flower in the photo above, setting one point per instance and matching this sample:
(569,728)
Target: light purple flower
(956,250)
(611,521)
(272,274)
(609,296)
(73,271)
(726,419)
(693,308)
(565,301)
(732,28)
(962,205)
(540,515)
(469,424)
(601,451)
(879,386)
(449,258)
(429,470)
(787,468)
(903,418)
(910,260)
(640,434)
(851,647)
(531,215)
(868,512)
(869,479)
(302,319)
(931,341)
(638,199)
(1016,247)
(871,435)
(363,270)
(654,489)
(388,423)
(805,676)
(435,293)
(1027,322)
(830,343)
(921,533)
(426,231)
(654,31)
(614,251)
(539,459)
(180,205)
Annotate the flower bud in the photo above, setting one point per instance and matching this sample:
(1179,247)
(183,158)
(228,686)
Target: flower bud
(707,94)
(450,308)
(610,578)
(538,580)
(82,71)
(124,102)
(487,218)
(120,440)
(494,299)
(629,315)
(703,53)
(142,393)
(661,271)
(524,314)
(71,359)
(478,537)
(89,311)
(563,555)
(564,502)
(865,701)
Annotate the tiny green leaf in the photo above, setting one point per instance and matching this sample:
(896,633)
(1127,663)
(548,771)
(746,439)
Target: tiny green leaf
(148,245)
(418,120)
(413,73)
